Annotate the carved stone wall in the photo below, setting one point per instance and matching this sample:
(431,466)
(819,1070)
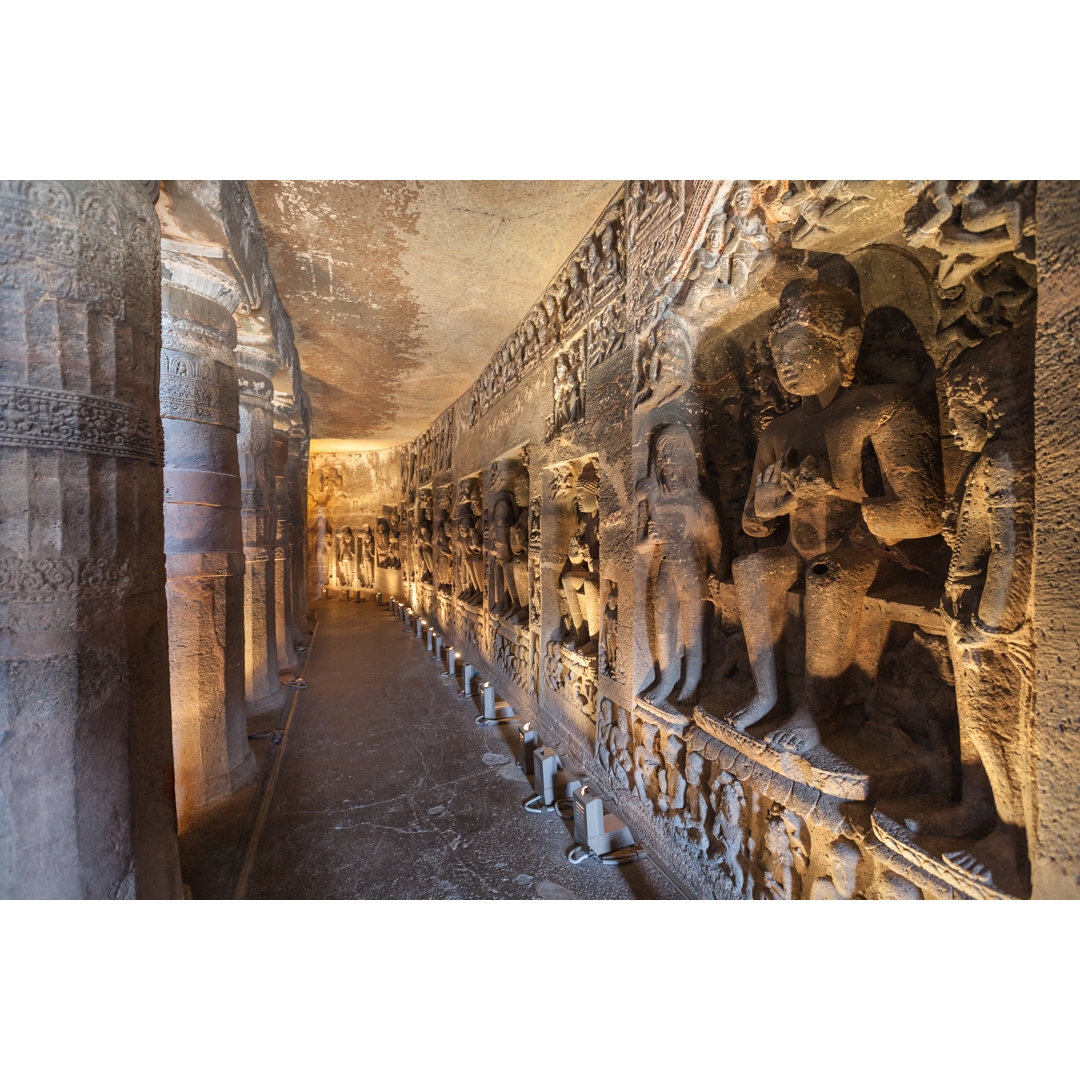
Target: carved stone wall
(787,616)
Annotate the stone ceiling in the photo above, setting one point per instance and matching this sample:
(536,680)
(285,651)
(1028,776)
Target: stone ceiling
(401,291)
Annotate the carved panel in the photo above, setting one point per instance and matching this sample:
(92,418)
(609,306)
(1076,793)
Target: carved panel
(62,420)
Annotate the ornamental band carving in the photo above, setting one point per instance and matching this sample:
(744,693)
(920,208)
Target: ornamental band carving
(63,420)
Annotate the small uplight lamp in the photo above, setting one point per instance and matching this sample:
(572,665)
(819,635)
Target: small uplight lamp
(527,744)
(451,661)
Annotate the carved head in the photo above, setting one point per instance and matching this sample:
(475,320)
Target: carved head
(588,489)
(815,337)
(843,862)
(607,241)
(714,232)
(674,462)
(744,198)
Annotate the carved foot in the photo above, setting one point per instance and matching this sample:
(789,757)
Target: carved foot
(999,861)
(757,708)
(589,648)
(688,697)
(798,735)
(964,819)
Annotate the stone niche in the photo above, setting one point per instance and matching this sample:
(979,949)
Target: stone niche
(770,578)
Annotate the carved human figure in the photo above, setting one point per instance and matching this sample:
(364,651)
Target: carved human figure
(609,259)
(567,392)
(786,856)
(577,296)
(445,548)
(551,313)
(971,223)
(346,572)
(987,603)
(505,514)
(580,579)
(325,557)
(382,542)
(809,469)
(666,370)
(519,544)
(647,765)
(729,805)
(746,239)
(681,540)
(704,272)
(611,631)
(839,884)
(368,560)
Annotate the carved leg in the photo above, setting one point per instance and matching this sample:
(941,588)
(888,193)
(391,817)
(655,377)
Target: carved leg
(835,586)
(692,633)
(762,581)
(666,609)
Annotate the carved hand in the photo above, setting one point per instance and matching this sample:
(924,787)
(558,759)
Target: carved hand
(773,496)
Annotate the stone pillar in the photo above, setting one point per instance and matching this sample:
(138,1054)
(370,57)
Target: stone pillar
(255,370)
(283,609)
(86,789)
(1055,845)
(203,535)
(297,466)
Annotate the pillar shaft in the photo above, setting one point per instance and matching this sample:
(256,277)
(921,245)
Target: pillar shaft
(255,368)
(203,533)
(283,604)
(86,801)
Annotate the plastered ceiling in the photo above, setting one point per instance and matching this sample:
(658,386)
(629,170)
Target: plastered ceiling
(401,291)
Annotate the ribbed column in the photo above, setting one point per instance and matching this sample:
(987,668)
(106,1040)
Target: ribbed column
(284,408)
(86,804)
(203,535)
(297,476)
(255,369)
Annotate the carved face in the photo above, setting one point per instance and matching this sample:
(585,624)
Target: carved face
(715,236)
(676,474)
(744,199)
(606,241)
(808,363)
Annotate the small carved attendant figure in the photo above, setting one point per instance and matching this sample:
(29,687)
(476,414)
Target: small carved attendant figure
(504,598)
(683,525)
(445,548)
(809,469)
(987,602)
(609,259)
(666,371)
(346,570)
(576,298)
(747,239)
(704,271)
(368,560)
(580,580)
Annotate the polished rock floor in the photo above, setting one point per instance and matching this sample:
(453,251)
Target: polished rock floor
(389,790)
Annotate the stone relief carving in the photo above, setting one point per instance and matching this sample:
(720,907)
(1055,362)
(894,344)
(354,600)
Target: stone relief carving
(809,468)
(850,622)
(609,638)
(665,365)
(509,549)
(568,386)
(469,552)
(579,581)
(33,416)
(679,541)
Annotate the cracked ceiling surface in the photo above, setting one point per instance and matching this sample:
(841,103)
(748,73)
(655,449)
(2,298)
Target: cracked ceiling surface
(401,291)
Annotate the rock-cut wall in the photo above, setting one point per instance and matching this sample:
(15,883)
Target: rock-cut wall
(742,515)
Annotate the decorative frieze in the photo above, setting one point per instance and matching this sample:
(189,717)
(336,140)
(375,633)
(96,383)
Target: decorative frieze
(62,420)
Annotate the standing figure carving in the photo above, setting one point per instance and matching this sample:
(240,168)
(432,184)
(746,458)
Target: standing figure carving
(509,526)
(367,578)
(746,239)
(681,540)
(809,470)
(987,606)
(580,579)
(346,571)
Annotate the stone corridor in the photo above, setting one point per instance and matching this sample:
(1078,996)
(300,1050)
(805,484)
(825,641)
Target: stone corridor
(389,790)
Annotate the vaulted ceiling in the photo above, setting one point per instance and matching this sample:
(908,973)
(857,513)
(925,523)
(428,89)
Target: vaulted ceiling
(401,291)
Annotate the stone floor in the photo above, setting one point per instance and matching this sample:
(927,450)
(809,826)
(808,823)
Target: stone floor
(389,790)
